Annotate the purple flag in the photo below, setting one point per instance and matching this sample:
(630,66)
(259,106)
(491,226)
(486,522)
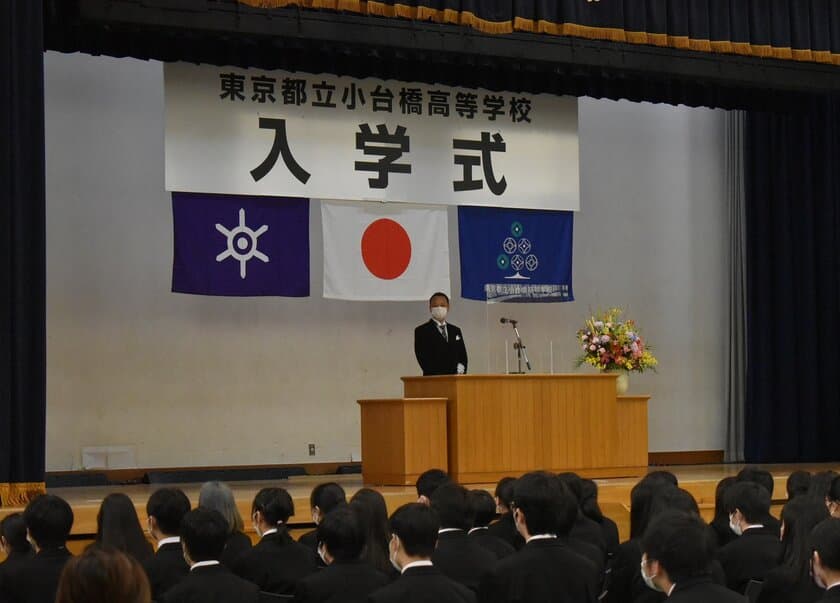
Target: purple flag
(237,245)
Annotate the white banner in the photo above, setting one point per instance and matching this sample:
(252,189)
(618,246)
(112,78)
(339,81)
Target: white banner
(255,132)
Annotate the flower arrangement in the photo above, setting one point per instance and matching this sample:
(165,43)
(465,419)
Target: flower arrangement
(608,343)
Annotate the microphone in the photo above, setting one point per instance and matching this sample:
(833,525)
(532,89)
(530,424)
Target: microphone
(507,320)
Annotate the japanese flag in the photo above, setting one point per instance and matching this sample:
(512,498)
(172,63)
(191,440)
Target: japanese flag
(376,251)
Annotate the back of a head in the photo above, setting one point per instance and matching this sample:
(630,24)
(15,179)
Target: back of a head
(672,499)
(13,530)
(168,506)
(118,527)
(431,480)
(820,483)
(641,499)
(825,540)
(218,496)
(342,532)
(275,504)
(482,507)
(660,477)
(204,533)
(327,497)
(451,503)
(103,575)
(757,476)
(49,520)
(750,498)
(797,484)
(721,489)
(800,515)
(680,543)
(504,491)
(589,500)
(416,525)
(573,483)
(373,513)
(548,505)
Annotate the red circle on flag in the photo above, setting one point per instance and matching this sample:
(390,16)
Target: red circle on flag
(386,249)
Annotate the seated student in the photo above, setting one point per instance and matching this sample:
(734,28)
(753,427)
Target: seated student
(720,523)
(765,479)
(103,575)
(374,515)
(825,558)
(428,482)
(414,533)
(590,508)
(757,549)
(676,554)
(483,509)
(276,562)
(48,520)
(458,556)
(545,569)
(118,527)
(505,527)
(346,577)
(791,582)
(218,496)
(584,530)
(166,508)
(323,499)
(797,484)
(820,483)
(204,533)
(13,543)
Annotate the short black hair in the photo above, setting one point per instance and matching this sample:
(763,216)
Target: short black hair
(825,539)
(672,499)
(573,483)
(430,480)
(168,506)
(49,520)
(416,525)
(483,507)
(504,490)
(548,505)
(680,542)
(204,533)
(13,530)
(439,294)
(275,504)
(797,484)
(821,483)
(327,497)
(757,476)
(752,499)
(451,502)
(660,477)
(342,531)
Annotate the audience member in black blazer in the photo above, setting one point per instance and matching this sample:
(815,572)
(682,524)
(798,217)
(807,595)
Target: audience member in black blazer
(429,481)
(798,483)
(757,550)
(505,528)
(102,574)
(118,527)
(346,579)
(825,559)
(48,520)
(483,510)
(676,557)
(276,562)
(204,533)
(590,508)
(414,529)
(218,496)
(373,512)
(166,508)
(720,523)
(13,543)
(323,499)
(765,479)
(546,569)
(439,346)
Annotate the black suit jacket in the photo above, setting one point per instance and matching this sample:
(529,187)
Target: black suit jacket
(11,563)
(544,570)
(461,558)
(505,529)
(494,544)
(34,580)
(750,557)
(832,594)
(237,543)
(276,563)
(310,541)
(436,355)
(786,585)
(341,582)
(212,584)
(703,590)
(423,585)
(166,569)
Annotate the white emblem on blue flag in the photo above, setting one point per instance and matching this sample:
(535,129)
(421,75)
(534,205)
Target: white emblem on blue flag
(242,244)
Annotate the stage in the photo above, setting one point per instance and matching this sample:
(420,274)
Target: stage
(613,495)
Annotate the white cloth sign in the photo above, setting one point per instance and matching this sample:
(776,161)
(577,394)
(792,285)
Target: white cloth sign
(255,132)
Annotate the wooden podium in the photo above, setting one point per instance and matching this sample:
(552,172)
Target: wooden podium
(498,425)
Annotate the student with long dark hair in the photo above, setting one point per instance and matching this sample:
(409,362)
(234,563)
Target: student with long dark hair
(590,508)
(374,515)
(720,524)
(118,527)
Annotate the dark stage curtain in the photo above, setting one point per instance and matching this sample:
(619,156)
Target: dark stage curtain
(22,252)
(793,284)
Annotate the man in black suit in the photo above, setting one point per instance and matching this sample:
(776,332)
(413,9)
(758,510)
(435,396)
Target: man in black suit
(546,568)
(346,579)
(204,534)
(438,345)
(825,558)
(505,528)
(414,532)
(166,508)
(483,510)
(676,554)
(276,562)
(757,549)
(457,555)
(48,522)
(323,499)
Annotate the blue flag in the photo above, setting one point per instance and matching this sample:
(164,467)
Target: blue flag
(237,245)
(515,255)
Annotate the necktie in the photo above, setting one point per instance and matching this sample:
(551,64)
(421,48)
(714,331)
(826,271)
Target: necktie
(443,332)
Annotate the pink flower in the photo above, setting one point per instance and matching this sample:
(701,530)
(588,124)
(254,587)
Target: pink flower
(592,348)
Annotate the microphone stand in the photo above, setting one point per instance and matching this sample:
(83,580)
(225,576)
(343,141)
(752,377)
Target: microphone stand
(520,350)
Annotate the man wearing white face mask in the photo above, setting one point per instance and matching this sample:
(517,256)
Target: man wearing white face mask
(825,559)
(676,557)
(439,345)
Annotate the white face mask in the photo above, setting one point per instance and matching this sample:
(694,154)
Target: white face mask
(649,579)
(735,527)
(439,313)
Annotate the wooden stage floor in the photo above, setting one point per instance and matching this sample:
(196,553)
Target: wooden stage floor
(613,494)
